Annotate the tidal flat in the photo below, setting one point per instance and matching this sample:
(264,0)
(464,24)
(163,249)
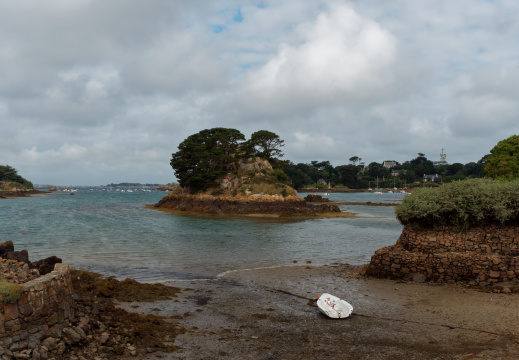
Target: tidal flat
(270,313)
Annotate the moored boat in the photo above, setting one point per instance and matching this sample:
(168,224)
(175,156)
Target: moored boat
(334,307)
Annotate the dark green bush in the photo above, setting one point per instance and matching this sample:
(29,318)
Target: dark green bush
(280,176)
(462,204)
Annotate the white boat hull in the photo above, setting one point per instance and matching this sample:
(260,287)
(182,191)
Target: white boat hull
(334,307)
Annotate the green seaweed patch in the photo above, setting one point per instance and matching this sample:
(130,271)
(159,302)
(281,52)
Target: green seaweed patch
(461,204)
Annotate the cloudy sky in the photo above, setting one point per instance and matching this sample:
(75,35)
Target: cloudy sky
(99,91)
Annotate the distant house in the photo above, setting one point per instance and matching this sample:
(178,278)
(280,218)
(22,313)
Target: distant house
(388,164)
(321,182)
(431,178)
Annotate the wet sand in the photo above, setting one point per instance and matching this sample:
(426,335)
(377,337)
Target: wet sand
(269,314)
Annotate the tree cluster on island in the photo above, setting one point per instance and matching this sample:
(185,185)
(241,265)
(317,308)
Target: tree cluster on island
(205,157)
(10,179)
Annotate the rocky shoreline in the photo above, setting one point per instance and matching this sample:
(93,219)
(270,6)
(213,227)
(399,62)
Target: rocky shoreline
(270,205)
(19,193)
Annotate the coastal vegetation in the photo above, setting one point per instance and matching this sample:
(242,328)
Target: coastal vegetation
(357,176)
(503,162)
(462,204)
(9,179)
(9,292)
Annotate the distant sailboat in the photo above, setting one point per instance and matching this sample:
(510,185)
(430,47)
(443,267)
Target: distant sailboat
(379,191)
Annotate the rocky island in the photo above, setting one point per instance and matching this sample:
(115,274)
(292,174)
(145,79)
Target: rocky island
(253,189)
(221,174)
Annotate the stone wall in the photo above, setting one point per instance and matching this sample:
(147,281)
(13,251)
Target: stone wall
(479,256)
(44,309)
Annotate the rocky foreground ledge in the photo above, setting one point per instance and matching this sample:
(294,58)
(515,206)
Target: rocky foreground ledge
(290,206)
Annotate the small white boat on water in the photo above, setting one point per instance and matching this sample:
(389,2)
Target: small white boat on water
(334,307)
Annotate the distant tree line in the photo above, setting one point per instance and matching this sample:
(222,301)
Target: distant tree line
(356,176)
(207,155)
(10,174)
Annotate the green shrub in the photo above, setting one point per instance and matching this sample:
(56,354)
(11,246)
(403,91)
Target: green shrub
(281,176)
(462,204)
(10,292)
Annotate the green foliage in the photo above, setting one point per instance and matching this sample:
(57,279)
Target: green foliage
(348,175)
(8,173)
(266,145)
(462,204)
(203,157)
(281,176)
(503,163)
(10,292)
(357,176)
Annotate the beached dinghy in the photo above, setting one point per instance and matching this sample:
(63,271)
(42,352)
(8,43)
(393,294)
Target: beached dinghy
(334,307)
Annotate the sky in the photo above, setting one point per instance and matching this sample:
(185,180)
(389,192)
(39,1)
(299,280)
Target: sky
(97,91)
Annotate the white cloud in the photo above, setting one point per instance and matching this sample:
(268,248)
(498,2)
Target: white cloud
(66,152)
(313,145)
(341,57)
(98,91)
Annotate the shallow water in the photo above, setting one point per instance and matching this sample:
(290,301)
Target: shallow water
(115,234)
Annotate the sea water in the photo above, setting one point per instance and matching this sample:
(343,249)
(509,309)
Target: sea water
(114,233)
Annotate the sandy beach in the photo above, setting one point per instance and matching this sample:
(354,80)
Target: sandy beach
(270,314)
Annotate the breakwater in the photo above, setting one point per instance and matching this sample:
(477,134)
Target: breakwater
(480,256)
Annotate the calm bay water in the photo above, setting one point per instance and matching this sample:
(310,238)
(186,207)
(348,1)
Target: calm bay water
(115,234)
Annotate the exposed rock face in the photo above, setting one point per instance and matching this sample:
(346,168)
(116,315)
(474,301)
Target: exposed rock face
(315,198)
(22,256)
(46,265)
(6,247)
(288,207)
(254,164)
(169,187)
(479,256)
(43,266)
(15,272)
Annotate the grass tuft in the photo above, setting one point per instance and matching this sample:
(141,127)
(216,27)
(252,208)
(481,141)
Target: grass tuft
(10,292)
